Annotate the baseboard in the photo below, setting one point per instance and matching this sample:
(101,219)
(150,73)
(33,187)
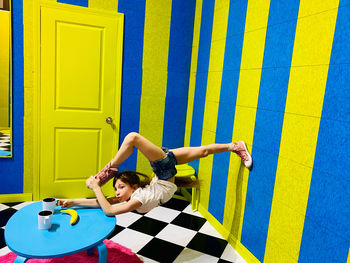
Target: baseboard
(12,198)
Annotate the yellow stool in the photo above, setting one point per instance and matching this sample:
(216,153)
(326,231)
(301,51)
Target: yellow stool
(184,170)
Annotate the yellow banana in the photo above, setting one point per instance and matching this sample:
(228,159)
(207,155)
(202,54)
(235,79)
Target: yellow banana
(73,213)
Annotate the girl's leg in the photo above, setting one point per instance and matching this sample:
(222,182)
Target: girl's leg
(189,154)
(148,149)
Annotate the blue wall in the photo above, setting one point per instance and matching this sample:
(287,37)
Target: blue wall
(11,169)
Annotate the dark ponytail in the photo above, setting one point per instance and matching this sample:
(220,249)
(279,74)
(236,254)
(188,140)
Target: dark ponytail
(140,179)
(186,182)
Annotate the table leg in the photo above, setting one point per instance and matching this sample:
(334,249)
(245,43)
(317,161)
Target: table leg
(20,259)
(90,251)
(102,253)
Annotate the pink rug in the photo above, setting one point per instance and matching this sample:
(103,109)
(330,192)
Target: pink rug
(116,253)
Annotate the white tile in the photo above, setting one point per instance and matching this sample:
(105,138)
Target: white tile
(177,235)
(132,239)
(193,256)
(188,210)
(146,260)
(4,251)
(208,229)
(127,219)
(230,254)
(3,207)
(163,214)
(21,205)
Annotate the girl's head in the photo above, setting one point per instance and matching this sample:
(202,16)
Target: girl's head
(126,182)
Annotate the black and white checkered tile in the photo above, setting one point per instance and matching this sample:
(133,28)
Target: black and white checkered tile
(168,233)
(5,143)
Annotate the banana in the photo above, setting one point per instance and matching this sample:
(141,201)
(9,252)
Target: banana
(73,213)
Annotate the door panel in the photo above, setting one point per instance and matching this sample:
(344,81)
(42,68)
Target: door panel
(72,55)
(80,87)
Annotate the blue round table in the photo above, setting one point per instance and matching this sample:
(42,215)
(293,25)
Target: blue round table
(24,238)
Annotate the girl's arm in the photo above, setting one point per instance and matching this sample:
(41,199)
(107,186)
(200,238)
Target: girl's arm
(114,210)
(85,202)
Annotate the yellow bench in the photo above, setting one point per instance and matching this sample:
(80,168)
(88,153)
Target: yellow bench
(184,170)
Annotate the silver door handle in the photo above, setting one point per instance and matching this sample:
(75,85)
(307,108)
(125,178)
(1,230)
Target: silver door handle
(109,120)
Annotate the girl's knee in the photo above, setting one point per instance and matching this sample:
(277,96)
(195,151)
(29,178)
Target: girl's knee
(131,137)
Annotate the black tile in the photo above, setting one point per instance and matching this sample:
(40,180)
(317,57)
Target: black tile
(5,215)
(2,238)
(6,148)
(12,204)
(148,226)
(135,212)
(117,230)
(189,221)
(176,204)
(208,244)
(224,261)
(161,250)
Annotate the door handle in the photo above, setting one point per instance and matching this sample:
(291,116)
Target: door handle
(109,120)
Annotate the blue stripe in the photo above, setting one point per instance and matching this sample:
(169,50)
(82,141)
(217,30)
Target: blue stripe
(11,171)
(268,124)
(134,19)
(179,63)
(202,75)
(326,233)
(227,105)
(84,3)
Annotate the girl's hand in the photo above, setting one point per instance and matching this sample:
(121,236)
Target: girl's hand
(92,183)
(65,203)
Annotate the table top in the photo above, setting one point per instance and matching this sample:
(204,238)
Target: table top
(24,238)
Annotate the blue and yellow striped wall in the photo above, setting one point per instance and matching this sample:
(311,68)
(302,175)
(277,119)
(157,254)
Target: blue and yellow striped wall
(274,73)
(270,72)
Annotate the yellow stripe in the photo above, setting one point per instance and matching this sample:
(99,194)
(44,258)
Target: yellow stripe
(111,5)
(193,72)
(29,37)
(154,76)
(307,83)
(216,61)
(244,123)
(348,261)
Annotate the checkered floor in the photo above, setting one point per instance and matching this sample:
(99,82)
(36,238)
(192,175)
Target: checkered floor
(168,233)
(5,144)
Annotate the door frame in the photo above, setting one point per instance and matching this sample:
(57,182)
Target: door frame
(37,4)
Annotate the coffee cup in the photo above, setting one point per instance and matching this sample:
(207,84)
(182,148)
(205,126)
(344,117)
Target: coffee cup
(49,204)
(44,219)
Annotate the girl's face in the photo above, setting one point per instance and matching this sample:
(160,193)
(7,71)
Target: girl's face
(123,191)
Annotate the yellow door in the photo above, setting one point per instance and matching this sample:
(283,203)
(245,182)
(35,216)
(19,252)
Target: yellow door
(80,79)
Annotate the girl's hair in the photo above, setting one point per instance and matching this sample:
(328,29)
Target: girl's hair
(131,178)
(140,179)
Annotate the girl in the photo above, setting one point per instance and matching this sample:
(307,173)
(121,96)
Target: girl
(144,195)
